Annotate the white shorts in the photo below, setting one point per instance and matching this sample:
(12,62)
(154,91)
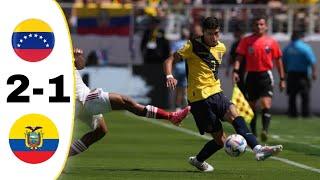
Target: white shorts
(96,103)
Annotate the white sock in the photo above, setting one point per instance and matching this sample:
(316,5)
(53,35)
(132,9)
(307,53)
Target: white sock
(257,148)
(151,111)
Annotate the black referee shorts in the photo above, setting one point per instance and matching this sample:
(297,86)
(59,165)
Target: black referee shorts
(208,112)
(259,84)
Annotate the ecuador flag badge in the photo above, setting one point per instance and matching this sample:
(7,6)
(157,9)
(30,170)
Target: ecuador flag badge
(33,138)
(33,40)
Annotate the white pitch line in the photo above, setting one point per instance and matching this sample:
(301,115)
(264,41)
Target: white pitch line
(277,137)
(287,161)
(193,133)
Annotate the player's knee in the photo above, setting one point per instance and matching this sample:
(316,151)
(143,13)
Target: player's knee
(219,137)
(231,114)
(126,99)
(104,130)
(220,140)
(100,132)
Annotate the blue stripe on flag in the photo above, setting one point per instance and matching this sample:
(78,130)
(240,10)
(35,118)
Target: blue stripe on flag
(33,40)
(47,145)
(112,22)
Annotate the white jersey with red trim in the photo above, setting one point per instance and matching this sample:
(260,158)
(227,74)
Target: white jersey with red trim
(90,102)
(82,89)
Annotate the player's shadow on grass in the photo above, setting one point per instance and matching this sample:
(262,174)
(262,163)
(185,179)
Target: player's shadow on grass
(145,170)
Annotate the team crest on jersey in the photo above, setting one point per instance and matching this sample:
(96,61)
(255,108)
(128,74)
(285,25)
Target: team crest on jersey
(267,49)
(250,50)
(34,137)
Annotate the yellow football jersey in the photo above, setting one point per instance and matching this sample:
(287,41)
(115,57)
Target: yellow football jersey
(202,81)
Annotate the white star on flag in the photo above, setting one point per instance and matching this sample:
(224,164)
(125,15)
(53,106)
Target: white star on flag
(47,45)
(35,35)
(25,37)
(18,45)
(21,40)
(30,35)
(40,37)
(44,40)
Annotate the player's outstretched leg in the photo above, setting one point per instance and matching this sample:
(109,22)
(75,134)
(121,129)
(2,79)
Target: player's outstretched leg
(261,152)
(253,123)
(82,144)
(122,102)
(266,117)
(208,150)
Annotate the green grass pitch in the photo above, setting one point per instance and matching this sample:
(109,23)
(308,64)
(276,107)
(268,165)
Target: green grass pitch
(136,149)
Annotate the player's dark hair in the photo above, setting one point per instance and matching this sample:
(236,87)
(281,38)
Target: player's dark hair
(210,23)
(297,35)
(260,16)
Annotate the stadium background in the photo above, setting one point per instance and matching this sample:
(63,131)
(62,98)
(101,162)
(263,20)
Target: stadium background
(120,45)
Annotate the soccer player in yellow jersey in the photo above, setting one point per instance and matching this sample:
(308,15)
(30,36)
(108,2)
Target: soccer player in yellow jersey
(209,106)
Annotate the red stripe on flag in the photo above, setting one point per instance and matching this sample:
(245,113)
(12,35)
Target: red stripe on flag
(33,157)
(33,55)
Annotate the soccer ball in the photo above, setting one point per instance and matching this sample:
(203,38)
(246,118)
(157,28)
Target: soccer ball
(235,145)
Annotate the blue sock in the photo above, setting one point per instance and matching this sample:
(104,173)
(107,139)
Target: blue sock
(210,148)
(242,129)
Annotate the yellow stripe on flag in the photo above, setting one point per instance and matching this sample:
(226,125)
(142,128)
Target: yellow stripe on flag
(33,25)
(242,105)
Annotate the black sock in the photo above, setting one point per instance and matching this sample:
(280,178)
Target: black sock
(242,129)
(77,147)
(266,117)
(253,124)
(210,148)
(81,145)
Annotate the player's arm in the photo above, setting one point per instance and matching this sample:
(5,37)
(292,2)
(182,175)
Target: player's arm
(241,51)
(280,68)
(314,71)
(167,68)
(277,54)
(230,63)
(313,61)
(79,60)
(231,58)
(236,67)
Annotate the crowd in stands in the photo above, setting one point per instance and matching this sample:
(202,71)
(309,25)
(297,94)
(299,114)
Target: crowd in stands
(147,2)
(174,15)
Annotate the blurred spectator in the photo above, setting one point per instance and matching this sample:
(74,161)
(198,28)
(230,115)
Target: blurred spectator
(196,31)
(92,59)
(237,34)
(278,13)
(300,64)
(154,46)
(175,21)
(238,19)
(97,58)
(179,71)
